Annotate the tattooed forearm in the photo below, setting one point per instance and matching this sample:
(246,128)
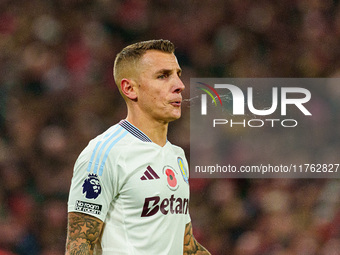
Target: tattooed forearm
(82,233)
(191,246)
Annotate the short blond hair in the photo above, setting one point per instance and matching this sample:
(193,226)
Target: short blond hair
(131,54)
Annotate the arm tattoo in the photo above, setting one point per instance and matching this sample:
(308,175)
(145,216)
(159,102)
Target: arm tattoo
(191,246)
(83,232)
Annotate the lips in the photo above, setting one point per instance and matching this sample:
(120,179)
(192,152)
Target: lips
(176,103)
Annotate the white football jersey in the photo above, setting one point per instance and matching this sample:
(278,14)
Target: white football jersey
(137,188)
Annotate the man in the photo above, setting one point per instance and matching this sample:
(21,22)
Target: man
(129,192)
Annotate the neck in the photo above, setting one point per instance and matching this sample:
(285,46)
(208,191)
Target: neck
(155,130)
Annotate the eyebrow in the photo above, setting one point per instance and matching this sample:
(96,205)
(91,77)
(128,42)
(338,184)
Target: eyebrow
(169,71)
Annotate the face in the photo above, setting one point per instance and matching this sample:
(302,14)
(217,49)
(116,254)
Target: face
(159,87)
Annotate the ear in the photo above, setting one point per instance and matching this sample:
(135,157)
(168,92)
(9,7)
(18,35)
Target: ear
(129,88)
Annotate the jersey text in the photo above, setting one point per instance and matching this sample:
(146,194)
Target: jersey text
(171,205)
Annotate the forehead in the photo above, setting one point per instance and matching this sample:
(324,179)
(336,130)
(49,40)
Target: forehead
(154,60)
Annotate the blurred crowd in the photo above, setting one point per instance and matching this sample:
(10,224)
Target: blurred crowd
(57,92)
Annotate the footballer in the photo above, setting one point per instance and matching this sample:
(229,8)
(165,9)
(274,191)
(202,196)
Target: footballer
(130,192)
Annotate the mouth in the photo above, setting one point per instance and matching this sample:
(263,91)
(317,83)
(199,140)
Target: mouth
(176,103)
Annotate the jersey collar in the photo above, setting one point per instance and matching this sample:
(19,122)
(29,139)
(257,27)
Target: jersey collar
(135,131)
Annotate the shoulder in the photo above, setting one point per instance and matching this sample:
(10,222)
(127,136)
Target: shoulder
(176,149)
(111,142)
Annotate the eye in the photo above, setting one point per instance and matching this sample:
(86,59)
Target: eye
(163,76)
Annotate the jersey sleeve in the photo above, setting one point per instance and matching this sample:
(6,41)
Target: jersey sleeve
(92,189)
(184,168)
(188,219)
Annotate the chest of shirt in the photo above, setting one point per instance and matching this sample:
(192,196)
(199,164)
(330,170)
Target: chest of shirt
(155,182)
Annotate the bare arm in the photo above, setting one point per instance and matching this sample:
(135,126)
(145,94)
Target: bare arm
(191,246)
(83,232)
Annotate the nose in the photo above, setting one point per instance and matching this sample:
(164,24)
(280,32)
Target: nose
(179,85)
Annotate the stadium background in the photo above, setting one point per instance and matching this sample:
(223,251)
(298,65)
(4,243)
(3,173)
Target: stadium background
(57,92)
